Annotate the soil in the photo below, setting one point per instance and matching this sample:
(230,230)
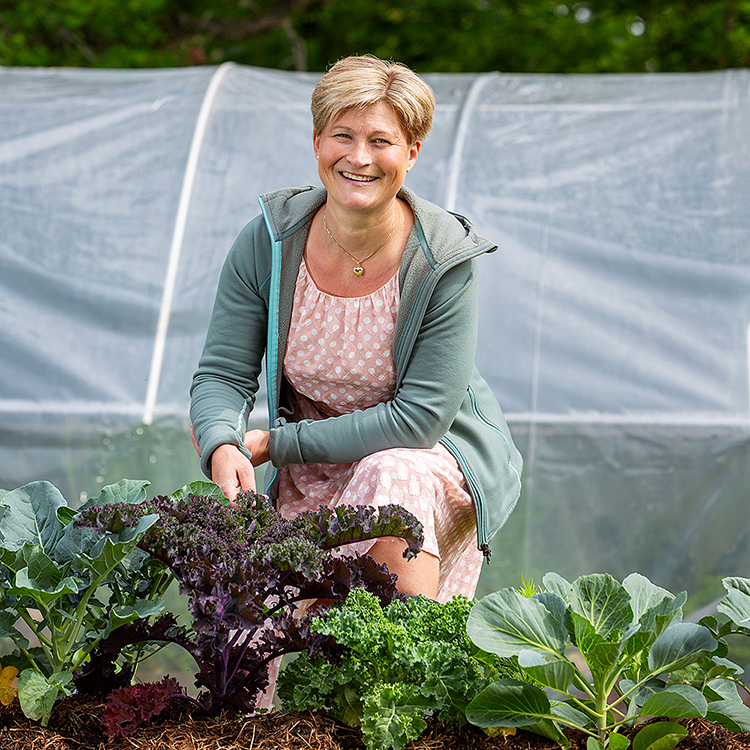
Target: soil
(74,725)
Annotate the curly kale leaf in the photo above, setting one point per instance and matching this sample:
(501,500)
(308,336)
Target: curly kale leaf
(344,524)
(129,707)
(400,664)
(394,715)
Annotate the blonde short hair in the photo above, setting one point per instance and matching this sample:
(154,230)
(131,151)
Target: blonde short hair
(358,82)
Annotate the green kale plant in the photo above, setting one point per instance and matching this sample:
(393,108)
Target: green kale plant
(246,572)
(400,664)
(641,660)
(71,587)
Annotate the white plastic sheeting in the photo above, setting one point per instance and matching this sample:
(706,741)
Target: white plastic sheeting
(614,318)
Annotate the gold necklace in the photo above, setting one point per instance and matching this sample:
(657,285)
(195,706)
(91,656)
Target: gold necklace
(358,270)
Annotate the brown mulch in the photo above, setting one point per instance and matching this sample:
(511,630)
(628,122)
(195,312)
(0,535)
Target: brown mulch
(74,725)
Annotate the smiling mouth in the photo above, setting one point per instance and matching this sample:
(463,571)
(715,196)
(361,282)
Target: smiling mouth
(358,177)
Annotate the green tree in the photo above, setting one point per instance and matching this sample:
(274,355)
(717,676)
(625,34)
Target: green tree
(546,36)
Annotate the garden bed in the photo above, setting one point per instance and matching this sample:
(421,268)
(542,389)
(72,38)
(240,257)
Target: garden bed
(74,725)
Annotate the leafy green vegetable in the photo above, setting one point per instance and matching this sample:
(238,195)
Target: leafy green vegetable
(83,584)
(400,664)
(631,637)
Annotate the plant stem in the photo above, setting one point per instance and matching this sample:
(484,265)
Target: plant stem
(33,624)
(601,714)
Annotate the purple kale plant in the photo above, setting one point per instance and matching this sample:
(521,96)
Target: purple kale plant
(246,571)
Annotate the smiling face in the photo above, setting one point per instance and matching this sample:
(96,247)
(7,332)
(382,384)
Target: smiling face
(363,157)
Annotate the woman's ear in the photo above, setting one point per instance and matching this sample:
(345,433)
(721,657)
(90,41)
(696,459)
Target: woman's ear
(413,154)
(316,144)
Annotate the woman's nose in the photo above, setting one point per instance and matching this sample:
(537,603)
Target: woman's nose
(359,154)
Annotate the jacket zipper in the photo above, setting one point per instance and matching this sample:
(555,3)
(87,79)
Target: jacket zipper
(272,340)
(475,493)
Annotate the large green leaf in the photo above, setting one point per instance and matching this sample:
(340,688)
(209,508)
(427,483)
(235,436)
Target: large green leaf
(131,491)
(617,741)
(736,604)
(203,489)
(504,623)
(644,692)
(600,654)
(44,592)
(661,735)
(654,621)
(556,584)
(643,594)
(738,584)
(74,542)
(572,716)
(111,550)
(726,706)
(142,609)
(722,689)
(551,730)
(509,703)
(36,695)
(654,607)
(31,516)
(555,605)
(40,566)
(735,716)
(676,702)
(680,644)
(603,602)
(557,674)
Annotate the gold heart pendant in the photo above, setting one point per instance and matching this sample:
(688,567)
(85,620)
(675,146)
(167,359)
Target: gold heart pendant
(359,270)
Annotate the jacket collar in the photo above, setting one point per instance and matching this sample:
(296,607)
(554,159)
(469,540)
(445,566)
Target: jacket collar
(444,235)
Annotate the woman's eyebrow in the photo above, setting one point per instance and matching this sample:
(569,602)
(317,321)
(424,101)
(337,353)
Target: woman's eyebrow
(376,133)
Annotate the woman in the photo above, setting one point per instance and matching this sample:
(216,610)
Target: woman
(363,299)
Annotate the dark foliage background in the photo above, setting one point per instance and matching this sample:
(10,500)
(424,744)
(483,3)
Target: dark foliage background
(542,36)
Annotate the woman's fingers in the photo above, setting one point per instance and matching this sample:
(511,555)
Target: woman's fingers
(232,471)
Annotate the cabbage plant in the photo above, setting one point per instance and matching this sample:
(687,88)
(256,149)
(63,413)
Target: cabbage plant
(71,587)
(609,654)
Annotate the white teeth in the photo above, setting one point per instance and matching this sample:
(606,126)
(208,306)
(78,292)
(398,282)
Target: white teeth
(357,177)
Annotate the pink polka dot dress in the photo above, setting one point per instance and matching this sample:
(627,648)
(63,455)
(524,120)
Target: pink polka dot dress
(338,360)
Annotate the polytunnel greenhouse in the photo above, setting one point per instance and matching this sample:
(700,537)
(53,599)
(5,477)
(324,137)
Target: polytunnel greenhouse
(614,316)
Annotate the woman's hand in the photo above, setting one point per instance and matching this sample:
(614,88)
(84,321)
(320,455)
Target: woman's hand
(256,441)
(232,471)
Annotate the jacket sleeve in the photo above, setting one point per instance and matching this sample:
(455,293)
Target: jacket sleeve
(226,381)
(427,399)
